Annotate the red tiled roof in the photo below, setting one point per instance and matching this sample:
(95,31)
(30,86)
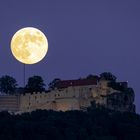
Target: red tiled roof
(80,82)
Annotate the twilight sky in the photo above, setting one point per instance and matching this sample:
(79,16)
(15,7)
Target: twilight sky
(85,37)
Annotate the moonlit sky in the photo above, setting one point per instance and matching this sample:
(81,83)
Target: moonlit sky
(85,37)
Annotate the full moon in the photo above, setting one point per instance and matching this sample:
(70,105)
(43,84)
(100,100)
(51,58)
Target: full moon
(29,45)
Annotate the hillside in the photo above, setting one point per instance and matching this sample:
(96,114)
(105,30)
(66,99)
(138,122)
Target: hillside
(95,124)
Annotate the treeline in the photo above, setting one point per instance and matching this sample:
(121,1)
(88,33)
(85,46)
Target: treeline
(9,85)
(95,124)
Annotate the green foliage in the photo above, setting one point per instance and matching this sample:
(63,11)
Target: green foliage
(95,124)
(7,84)
(35,84)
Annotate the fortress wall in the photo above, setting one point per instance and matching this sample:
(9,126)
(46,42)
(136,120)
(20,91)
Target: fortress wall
(67,104)
(9,102)
(58,99)
(69,92)
(29,102)
(74,98)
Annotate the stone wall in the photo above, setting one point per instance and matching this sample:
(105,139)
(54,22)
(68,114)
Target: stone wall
(71,98)
(9,102)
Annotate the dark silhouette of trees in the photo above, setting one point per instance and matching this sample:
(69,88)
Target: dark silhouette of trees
(122,86)
(35,84)
(92,77)
(53,83)
(95,124)
(108,76)
(8,84)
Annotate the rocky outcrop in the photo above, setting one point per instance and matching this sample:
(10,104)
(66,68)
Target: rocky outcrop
(123,100)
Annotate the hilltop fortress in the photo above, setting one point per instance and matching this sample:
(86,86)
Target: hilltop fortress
(74,95)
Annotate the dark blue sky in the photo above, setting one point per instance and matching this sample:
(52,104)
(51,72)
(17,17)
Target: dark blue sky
(85,37)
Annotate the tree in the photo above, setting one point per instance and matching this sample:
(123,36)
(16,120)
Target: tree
(108,76)
(7,84)
(35,84)
(92,77)
(53,83)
